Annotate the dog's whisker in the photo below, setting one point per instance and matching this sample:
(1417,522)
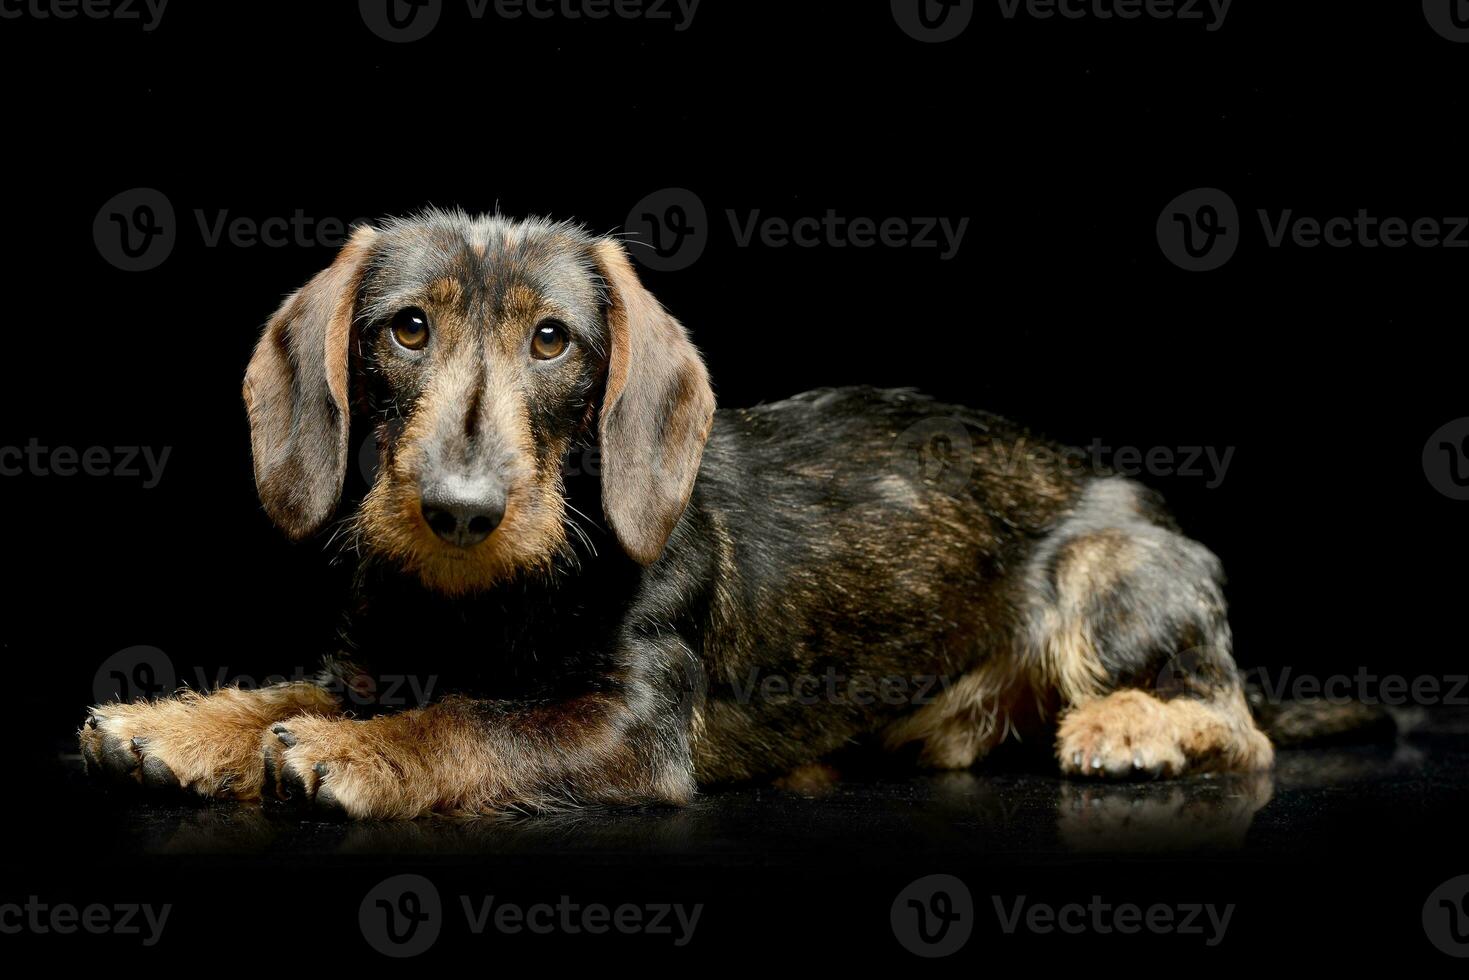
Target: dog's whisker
(578,513)
(580,533)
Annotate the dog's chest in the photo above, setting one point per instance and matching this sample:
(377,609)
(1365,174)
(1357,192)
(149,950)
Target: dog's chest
(523,644)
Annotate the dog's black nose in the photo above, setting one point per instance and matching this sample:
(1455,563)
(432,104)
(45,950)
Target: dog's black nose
(463,513)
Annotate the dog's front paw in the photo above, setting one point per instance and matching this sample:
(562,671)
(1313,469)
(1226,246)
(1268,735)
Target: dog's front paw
(170,745)
(357,769)
(204,743)
(1124,735)
(111,748)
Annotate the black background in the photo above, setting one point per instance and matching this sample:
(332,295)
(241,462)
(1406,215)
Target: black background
(1325,369)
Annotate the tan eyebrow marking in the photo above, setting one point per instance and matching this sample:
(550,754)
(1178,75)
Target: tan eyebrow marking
(446,291)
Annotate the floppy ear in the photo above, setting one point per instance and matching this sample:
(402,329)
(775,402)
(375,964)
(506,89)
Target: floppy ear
(655,415)
(296,395)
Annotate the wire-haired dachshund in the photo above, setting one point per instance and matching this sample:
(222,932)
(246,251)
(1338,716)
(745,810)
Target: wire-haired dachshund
(621,594)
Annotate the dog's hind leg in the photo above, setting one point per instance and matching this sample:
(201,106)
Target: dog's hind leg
(204,743)
(1124,623)
(968,719)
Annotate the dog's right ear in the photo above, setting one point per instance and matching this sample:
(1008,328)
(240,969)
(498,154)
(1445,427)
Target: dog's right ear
(296,395)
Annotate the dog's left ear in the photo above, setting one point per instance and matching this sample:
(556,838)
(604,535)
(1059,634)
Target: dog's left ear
(655,415)
(296,395)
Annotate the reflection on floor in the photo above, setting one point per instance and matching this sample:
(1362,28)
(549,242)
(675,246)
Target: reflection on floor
(1313,800)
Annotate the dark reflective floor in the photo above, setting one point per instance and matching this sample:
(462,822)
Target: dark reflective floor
(1332,853)
(1305,805)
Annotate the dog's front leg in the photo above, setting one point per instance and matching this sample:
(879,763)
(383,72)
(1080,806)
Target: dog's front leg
(621,744)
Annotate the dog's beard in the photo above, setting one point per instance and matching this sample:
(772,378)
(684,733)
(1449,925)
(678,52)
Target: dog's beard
(531,540)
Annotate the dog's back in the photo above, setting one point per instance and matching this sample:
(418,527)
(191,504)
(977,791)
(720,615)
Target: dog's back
(888,563)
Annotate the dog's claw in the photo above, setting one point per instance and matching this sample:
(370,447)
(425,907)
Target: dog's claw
(325,799)
(284,734)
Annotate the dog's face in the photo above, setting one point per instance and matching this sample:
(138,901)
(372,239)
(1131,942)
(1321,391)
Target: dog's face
(484,351)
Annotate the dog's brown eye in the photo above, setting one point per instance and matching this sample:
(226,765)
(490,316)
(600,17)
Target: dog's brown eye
(410,328)
(550,340)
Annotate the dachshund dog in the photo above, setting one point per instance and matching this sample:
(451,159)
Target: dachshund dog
(623,594)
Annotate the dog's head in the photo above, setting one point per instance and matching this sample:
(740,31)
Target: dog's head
(484,351)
